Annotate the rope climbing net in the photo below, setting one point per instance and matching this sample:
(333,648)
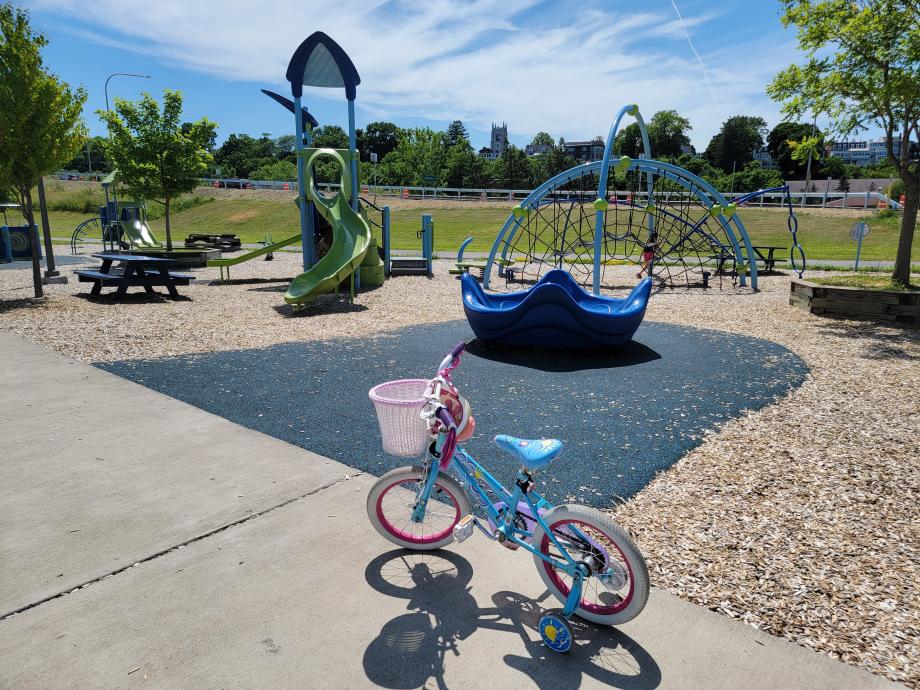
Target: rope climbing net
(646,214)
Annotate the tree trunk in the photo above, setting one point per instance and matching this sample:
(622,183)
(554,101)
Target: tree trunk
(168,233)
(908,224)
(33,242)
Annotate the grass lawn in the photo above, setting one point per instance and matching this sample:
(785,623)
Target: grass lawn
(866,281)
(824,237)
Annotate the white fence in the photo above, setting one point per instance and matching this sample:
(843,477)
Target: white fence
(861,200)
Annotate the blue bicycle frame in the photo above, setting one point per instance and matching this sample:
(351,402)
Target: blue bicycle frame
(470,471)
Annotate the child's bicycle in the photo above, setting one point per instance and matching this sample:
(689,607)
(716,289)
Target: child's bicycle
(586,560)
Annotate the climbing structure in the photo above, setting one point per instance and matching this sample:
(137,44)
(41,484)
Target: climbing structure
(605,213)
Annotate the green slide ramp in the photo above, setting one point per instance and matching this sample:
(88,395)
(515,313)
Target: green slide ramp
(139,234)
(234,260)
(351,234)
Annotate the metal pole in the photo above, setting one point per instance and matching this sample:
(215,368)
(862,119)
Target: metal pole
(352,149)
(859,237)
(386,241)
(50,271)
(814,126)
(306,218)
(120,74)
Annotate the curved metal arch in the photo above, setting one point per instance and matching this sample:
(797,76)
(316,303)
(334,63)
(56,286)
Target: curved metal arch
(703,191)
(633,110)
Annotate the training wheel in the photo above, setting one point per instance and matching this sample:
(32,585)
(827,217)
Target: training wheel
(556,632)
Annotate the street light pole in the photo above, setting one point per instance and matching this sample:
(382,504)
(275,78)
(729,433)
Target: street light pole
(120,74)
(114,185)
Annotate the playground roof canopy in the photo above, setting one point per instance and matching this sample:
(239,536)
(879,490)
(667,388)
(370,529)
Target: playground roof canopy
(320,61)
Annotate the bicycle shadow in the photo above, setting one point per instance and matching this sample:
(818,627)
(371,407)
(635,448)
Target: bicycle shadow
(410,649)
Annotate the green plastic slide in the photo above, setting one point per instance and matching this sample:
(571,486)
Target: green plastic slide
(351,234)
(139,234)
(234,260)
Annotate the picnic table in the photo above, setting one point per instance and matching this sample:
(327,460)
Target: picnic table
(135,270)
(763,253)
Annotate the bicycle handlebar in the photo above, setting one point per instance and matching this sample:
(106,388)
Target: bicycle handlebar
(446,419)
(452,356)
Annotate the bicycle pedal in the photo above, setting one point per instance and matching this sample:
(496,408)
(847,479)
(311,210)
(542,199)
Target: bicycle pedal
(464,529)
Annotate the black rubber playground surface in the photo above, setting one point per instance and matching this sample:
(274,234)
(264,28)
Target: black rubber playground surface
(624,417)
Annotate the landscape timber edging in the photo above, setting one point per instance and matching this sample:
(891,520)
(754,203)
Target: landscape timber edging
(902,306)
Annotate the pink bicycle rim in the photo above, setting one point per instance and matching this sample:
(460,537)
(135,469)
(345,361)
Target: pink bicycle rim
(407,536)
(554,575)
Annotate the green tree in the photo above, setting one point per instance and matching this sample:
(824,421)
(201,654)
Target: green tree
(754,176)
(81,161)
(211,142)
(40,116)
(156,157)
(420,153)
(778,144)
(462,165)
(667,133)
(628,141)
(456,133)
(283,148)
(330,137)
(830,166)
(843,182)
(861,68)
(279,170)
(736,142)
(379,138)
(553,162)
(242,154)
(513,169)
(542,139)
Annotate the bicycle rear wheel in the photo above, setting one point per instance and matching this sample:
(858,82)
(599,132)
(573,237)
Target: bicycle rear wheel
(618,587)
(392,499)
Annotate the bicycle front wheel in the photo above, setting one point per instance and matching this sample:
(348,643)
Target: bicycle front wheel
(618,587)
(391,502)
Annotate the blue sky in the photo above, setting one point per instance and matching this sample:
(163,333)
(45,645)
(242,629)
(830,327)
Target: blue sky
(556,66)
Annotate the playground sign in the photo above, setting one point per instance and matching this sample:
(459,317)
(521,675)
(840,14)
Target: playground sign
(859,230)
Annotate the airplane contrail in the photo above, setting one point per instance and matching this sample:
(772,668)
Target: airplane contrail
(693,48)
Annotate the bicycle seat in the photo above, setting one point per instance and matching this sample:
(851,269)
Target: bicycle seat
(534,454)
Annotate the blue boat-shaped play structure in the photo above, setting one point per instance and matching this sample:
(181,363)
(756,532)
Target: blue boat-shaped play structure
(556,313)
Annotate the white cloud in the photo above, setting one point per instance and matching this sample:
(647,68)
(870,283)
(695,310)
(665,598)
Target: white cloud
(442,59)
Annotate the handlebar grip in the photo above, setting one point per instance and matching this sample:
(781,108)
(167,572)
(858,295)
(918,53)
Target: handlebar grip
(458,348)
(446,418)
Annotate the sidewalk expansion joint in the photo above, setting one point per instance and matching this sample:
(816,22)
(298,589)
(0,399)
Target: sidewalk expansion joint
(175,547)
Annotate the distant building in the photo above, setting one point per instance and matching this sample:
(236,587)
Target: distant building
(536,149)
(585,151)
(498,142)
(863,152)
(765,159)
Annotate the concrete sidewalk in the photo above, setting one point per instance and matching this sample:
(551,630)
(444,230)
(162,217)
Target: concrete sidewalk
(211,555)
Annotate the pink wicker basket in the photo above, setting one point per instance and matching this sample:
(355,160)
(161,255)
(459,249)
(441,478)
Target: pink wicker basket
(398,404)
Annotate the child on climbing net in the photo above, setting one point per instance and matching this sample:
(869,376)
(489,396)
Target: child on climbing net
(648,253)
